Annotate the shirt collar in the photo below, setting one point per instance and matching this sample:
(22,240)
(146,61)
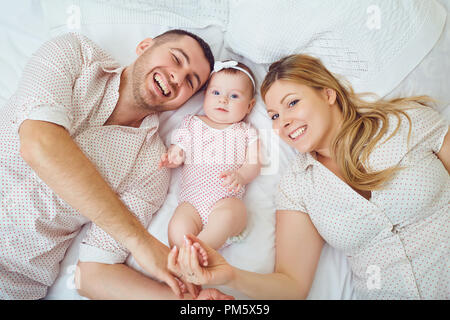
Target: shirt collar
(303,161)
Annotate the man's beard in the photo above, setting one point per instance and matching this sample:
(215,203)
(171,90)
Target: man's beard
(139,86)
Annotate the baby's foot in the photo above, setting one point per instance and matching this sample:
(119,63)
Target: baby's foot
(201,254)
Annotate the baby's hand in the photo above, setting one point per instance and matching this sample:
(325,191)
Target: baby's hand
(173,158)
(233,180)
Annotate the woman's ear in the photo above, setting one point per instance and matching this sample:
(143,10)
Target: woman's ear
(330,96)
(144,44)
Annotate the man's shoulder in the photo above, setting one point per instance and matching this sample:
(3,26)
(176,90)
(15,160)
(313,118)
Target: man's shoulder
(82,45)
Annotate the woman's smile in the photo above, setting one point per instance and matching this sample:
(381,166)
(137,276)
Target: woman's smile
(298,133)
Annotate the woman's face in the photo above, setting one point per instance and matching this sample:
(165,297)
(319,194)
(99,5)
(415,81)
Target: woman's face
(302,116)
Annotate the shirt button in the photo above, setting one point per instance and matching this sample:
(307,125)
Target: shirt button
(395,229)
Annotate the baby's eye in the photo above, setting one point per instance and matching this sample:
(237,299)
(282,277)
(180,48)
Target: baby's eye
(234,96)
(274,117)
(293,103)
(215,92)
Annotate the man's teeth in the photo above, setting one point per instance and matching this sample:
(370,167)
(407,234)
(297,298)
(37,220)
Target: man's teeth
(297,132)
(161,85)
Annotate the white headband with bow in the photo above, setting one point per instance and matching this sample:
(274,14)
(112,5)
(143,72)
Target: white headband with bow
(219,65)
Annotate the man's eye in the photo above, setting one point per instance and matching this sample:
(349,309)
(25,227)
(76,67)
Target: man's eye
(293,103)
(275,117)
(234,96)
(190,83)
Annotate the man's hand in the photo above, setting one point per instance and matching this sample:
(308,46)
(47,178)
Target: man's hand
(173,158)
(152,256)
(185,261)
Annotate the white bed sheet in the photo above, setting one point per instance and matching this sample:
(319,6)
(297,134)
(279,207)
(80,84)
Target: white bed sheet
(23,29)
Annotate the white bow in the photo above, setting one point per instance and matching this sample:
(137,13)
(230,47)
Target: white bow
(219,65)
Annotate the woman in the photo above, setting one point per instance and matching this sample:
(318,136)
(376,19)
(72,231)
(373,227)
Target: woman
(371,179)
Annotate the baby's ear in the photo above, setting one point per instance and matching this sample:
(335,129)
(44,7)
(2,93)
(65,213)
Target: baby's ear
(251,105)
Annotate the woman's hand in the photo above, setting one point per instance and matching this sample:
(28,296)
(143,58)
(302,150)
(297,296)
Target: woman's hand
(185,263)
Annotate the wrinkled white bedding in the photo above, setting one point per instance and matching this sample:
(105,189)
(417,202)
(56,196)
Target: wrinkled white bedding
(23,28)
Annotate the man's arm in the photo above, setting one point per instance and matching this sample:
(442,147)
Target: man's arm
(59,162)
(118,281)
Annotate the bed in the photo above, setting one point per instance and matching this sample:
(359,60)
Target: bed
(257,33)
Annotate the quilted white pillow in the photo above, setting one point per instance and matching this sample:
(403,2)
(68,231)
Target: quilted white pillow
(372,43)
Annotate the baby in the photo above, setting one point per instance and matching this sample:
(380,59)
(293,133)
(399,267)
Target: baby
(220,155)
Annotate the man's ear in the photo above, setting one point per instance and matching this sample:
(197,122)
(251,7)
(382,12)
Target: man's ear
(144,44)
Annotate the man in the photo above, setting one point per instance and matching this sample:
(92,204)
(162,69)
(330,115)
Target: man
(79,143)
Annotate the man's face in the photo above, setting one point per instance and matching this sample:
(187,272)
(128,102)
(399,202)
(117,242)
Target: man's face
(167,74)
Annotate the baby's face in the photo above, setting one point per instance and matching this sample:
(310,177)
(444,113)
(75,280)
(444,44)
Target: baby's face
(228,98)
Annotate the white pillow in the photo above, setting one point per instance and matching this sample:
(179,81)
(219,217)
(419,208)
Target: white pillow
(181,13)
(119,30)
(372,43)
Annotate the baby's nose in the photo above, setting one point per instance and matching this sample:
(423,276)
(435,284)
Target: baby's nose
(223,99)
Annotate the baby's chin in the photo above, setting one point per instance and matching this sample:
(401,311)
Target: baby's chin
(223,120)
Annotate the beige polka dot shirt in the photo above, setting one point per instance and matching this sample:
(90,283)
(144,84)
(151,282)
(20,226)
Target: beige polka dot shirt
(397,243)
(70,81)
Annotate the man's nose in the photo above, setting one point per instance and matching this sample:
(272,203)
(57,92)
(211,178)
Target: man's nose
(178,76)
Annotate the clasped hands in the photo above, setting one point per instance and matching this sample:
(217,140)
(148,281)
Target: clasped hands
(199,264)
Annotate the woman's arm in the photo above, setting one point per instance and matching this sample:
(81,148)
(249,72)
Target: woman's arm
(298,246)
(444,153)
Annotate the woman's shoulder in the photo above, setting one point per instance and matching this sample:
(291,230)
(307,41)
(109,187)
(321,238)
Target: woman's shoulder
(420,129)
(419,123)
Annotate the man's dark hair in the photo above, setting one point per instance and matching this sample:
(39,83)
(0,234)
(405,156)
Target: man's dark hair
(169,35)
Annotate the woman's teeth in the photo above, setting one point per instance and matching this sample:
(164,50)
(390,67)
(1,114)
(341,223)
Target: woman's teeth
(297,132)
(161,85)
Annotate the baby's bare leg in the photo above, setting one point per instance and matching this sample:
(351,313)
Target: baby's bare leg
(228,218)
(185,220)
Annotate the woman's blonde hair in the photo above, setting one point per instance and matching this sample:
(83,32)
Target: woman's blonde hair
(364,123)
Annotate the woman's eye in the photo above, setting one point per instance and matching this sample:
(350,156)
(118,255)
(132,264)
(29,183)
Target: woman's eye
(234,96)
(275,117)
(215,92)
(293,103)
